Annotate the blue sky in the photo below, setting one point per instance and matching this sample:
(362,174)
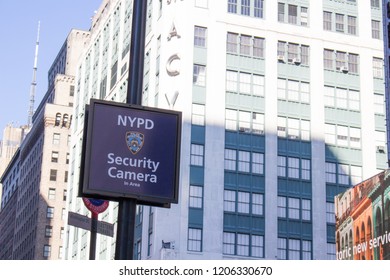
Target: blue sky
(18,32)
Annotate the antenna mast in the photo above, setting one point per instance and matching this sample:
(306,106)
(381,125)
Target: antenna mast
(34,82)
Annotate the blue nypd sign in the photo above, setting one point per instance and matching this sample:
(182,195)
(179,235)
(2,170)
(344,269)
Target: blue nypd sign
(131,152)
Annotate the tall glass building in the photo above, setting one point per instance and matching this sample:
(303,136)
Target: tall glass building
(283,108)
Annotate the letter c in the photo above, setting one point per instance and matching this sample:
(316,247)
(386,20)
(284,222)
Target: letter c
(172,69)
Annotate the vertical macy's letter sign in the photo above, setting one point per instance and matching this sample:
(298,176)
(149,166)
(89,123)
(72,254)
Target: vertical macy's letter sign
(132,152)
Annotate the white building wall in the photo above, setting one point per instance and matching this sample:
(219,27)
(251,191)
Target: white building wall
(171,225)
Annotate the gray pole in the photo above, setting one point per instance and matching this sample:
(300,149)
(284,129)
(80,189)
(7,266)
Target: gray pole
(127,207)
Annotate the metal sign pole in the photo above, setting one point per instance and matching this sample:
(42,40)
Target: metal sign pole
(92,245)
(127,207)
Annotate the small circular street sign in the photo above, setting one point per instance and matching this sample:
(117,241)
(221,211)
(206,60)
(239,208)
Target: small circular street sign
(96,206)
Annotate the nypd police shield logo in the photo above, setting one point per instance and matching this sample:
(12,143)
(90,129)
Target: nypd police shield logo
(134,141)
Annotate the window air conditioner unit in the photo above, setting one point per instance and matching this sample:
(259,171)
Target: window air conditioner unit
(344,69)
(380,149)
(168,245)
(281,58)
(297,61)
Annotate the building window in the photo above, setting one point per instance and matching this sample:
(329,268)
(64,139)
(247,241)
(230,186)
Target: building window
(138,246)
(292,14)
(71,91)
(53,175)
(377,67)
(328,59)
(200,36)
(247,203)
(257,247)
(243,202)
(196,197)
(282,248)
(245,7)
(352,25)
(242,244)
(306,209)
(48,231)
(258,47)
(230,159)
(281,12)
(293,249)
(52,194)
(379,102)
(245,45)
(375,4)
(293,168)
(327,20)
(342,98)
(67,158)
(229,203)
(341,58)
(296,54)
(199,76)
(232,6)
(198,114)
(194,239)
(197,154)
(244,161)
(50,212)
(294,208)
(64,195)
(353,63)
(229,243)
(56,139)
(114,71)
(295,15)
(246,122)
(244,83)
(304,16)
(340,23)
(342,136)
(58,119)
(150,242)
(330,214)
(341,61)
(331,251)
(231,42)
(282,207)
(257,204)
(296,91)
(343,174)
(247,161)
(249,45)
(294,129)
(54,156)
(46,251)
(306,250)
(348,27)
(257,163)
(330,172)
(258,8)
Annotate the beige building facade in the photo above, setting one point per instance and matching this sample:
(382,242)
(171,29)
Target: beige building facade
(41,167)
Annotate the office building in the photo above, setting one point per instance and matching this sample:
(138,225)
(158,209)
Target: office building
(35,182)
(12,137)
(283,108)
